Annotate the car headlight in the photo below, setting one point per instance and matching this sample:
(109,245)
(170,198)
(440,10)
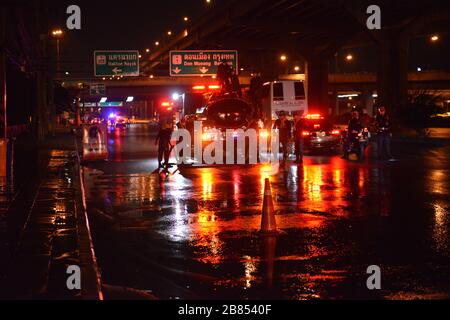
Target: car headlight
(264,134)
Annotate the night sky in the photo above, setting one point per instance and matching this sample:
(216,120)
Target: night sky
(121,25)
(137,24)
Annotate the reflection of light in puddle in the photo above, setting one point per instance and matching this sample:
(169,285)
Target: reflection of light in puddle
(438,182)
(440,231)
(206,230)
(250,269)
(312,182)
(207,182)
(236,187)
(181,228)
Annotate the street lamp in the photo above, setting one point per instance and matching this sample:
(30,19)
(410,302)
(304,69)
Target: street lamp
(297,68)
(186,19)
(434,38)
(349,57)
(157,43)
(58,34)
(283,58)
(169,33)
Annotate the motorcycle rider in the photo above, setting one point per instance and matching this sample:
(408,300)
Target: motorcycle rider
(383,128)
(353,129)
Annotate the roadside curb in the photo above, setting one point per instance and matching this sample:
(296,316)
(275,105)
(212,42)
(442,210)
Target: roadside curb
(91,283)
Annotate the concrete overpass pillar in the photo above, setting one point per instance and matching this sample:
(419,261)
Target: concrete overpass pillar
(317,83)
(368,101)
(393,69)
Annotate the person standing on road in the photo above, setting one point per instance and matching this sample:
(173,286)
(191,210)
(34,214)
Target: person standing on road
(383,128)
(298,133)
(235,84)
(224,77)
(256,92)
(182,124)
(284,130)
(164,146)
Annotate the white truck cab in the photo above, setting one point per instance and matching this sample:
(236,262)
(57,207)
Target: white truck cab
(286,95)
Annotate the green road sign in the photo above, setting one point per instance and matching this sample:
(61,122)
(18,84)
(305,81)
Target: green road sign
(198,62)
(110,104)
(116,63)
(96,89)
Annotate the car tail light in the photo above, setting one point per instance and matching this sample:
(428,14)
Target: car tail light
(313,116)
(306,133)
(335,132)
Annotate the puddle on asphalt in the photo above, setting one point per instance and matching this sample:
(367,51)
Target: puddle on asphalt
(215,214)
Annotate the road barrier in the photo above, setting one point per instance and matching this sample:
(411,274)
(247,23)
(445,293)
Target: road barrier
(95,142)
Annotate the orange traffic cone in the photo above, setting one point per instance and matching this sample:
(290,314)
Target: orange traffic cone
(268,222)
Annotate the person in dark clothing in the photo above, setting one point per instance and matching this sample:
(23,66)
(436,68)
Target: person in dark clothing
(298,134)
(236,85)
(284,127)
(383,128)
(256,92)
(182,124)
(164,147)
(224,77)
(353,129)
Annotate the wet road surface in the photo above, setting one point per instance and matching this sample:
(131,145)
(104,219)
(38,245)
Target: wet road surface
(195,235)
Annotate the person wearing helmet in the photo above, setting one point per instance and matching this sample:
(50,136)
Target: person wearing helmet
(353,129)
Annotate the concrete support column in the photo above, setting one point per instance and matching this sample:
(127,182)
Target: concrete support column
(393,69)
(146,109)
(317,83)
(3,98)
(335,104)
(368,101)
